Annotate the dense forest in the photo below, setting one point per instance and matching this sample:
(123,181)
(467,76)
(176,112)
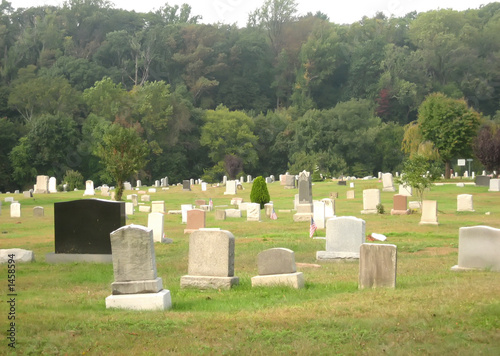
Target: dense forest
(285,93)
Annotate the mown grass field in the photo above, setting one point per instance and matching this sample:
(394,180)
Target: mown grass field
(60,309)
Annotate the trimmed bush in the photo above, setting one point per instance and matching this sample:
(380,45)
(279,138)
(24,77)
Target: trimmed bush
(259,193)
(74,179)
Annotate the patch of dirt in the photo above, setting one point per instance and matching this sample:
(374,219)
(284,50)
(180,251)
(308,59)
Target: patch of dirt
(436,251)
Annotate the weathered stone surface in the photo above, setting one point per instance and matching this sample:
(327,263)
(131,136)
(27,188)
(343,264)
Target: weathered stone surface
(158,206)
(371,198)
(145,301)
(186,185)
(377,266)
(483,181)
(89,188)
(429,213)
(344,236)
(494,185)
(42,185)
(478,248)
(15,210)
(233,213)
(129,208)
(145,208)
(196,219)
(319,214)
(20,255)
(276,261)
(185,208)
(211,253)
(156,223)
(464,202)
(405,190)
(253,212)
(400,205)
(38,211)
(293,280)
(208,282)
(388,183)
(350,194)
(220,215)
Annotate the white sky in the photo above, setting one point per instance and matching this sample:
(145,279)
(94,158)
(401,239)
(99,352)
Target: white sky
(236,11)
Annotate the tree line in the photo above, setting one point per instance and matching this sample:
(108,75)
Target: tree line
(285,93)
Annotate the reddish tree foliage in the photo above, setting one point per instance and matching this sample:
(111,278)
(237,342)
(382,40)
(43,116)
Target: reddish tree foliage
(384,105)
(487,147)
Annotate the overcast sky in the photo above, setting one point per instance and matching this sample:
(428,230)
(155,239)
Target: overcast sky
(236,11)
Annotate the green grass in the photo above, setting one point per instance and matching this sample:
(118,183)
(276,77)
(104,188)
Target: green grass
(61,309)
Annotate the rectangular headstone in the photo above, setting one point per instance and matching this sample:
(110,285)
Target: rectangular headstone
(83,226)
(400,205)
(429,213)
(253,212)
(494,185)
(305,188)
(377,266)
(42,185)
(158,206)
(483,181)
(211,253)
(156,223)
(464,202)
(478,248)
(231,187)
(344,236)
(15,210)
(276,261)
(329,208)
(129,208)
(185,208)
(319,214)
(371,198)
(388,183)
(52,185)
(196,219)
(186,185)
(405,190)
(350,194)
(38,211)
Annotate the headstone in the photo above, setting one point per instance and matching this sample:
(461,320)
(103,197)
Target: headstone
(9,200)
(42,185)
(185,208)
(196,219)
(156,222)
(414,205)
(429,213)
(158,206)
(157,183)
(20,255)
(152,190)
(27,194)
(344,236)
(400,205)
(466,174)
(200,202)
(478,248)
(203,186)
(82,229)
(342,182)
(191,181)
(52,185)
(137,285)
(129,208)
(269,180)
(253,212)
(276,267)
(405,190)
(351,185)
(186,185)
(268,208)
(249,179)
(329,208)
(138,184)
(387,182)
(38,211)
(145,198)
(165,182)
(220,215)
(289,181)
(371,198)
(231,186)
(127,186)
(305,205)
(377,266)
(15,210)
(134,199)
(350,194)
(483,181)
(233,213)
(144,208)
(211,261)
(334,195)
(464,202)
(494,185)
(224,180)
(105,191)
(89,188)
(319,214)
(379,175)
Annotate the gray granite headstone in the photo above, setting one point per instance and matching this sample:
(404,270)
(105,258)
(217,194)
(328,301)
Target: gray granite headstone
(377,266)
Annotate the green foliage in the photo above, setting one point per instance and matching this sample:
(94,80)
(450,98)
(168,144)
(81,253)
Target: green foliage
(73,179)
(260,193)
(214,174)
(380,209)
(123,153)
(106,99)
(449,124)
(419,173)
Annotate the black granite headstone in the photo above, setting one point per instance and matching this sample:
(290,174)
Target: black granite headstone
(483,181)
(342,182)
(83,226)
(186,185)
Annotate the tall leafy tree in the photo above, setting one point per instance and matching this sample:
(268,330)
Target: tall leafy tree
(450,125)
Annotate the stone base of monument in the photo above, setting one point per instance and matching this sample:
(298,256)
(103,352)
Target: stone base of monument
(428,223)
(319,238)
(143,301)
(369,211)
(400,212)
(302,217)
(337,256)
(389,189)
(77,257)
(304,212)
(208,282)
(294,280)
(188,231)
(137,287)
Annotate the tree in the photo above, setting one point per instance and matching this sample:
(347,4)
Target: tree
(419,173)
(450,125)
(487,147)
(229,133)
(123,154)
(260,193)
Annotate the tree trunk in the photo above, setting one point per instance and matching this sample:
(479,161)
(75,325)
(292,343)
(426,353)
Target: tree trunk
(447,170)
(119,190)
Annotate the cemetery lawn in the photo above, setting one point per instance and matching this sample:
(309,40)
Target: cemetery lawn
(60,308)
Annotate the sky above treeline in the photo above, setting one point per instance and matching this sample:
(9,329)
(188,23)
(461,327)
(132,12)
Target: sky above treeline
(236,11)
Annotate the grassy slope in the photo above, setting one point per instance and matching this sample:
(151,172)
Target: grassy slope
(61,308)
